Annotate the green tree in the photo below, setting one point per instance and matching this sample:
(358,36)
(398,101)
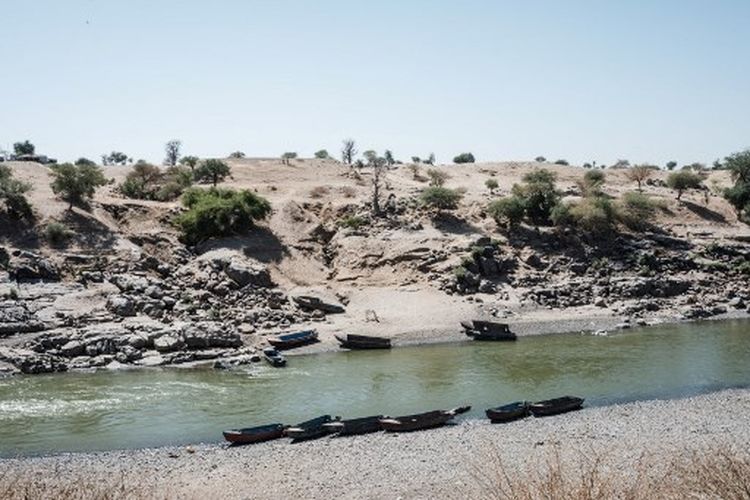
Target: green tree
(738,165)
(84,161)
(192,161)
(219,212)
(13,194)
(671,165)
(237,155)
(440,198)
(212,170)
(388,155)
(539,193)
(24,148)
(491,184)
(464,158)
(348,151)
(287,157)
(592,182)
(322,154)
(683,180)
(115,158)
(507,211)
(76,184)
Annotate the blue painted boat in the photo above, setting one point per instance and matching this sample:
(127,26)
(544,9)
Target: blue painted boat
(291,340)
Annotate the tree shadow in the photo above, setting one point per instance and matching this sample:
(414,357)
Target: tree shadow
(18,232)
(89,232)
(258,243)
(704,212)
(449,223)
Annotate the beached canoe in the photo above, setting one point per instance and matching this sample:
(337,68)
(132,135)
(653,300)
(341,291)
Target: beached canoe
(556,406)
(363,342)
(509,412)
(254,434)
(419,421)
(313,303)
(274,357)
(309,429)
(296,339)
(354,426)
(488,330)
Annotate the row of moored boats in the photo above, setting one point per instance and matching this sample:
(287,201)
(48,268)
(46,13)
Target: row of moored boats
(325,424)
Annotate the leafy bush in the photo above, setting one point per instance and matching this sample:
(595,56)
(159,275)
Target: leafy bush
(636,210)
(639,173)
(24,148)
(115,158)
(84,161)
(491,184)
(219,212)
(507,211)
(561,216)
(322,154)
(561,162)
(739,197)
(594,215)
(671,165)
(237,155)
(540,159)
(319,191)
(440,198)
(76,184)
(192,161)
(212,170)
(13,194)
(288,156)
(464,158)
(57,234)
(738,165)
(539,194)
(437,177)
(592,182)
(352,221)
(683,180)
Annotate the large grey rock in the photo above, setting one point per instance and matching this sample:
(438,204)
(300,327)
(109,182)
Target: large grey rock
(168,343)
(244,273)
(211,334)
(16,318)
(121,305)
(72,349)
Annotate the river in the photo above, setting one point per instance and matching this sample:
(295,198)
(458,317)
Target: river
(151,407)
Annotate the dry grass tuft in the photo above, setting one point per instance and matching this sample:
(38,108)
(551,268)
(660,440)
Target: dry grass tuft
(319,191)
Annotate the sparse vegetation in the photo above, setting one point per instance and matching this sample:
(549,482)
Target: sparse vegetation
(592,183)
(416,171)
(738,195)
(540,159)
(671,165)
(319,191)
(636,210)
(640,173)
(437,177)
(115,158)
(464,158)
(621,164)
(13,194)
(491,184)
(287,157)
(76,184)
(539,195)
(84,161)
(352,222)
(219,212)
(236,155)
(57,234)
(507,211)
(322,154)
(561,162)
(348,151)
(440,198)
(24,148)
(212,170)
(683,180)
(389,159)
(192,161)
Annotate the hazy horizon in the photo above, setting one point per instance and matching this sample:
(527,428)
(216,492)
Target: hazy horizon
(582,81)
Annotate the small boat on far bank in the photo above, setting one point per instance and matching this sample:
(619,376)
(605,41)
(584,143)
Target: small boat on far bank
(274,357)
(363,342)
(314,303)
(310,429)
(292,340)
(355,426)
(556,406)
(488,330)
(251,435)
(509,412)
(419,421)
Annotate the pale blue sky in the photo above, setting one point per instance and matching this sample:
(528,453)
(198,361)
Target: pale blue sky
(647,80)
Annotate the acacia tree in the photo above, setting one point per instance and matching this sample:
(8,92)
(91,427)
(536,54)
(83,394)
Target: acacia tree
(378,165)
(682,181)
(172,149)
(76,184)
(212,170)
(639,174)
(24,148)
(348,151)
(287,157)
(388,155)
(115,158)
(190,161)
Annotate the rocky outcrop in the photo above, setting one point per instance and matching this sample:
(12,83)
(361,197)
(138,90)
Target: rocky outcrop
(15,318)
(28,266)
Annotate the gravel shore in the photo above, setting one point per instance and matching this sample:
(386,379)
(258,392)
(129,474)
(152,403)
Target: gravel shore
(438,463)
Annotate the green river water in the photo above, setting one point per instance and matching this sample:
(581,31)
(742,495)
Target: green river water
(151,407)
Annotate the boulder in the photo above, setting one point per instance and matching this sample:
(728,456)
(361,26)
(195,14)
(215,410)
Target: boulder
(245,274)
(211,334)
(72,349)
(168,343)
(121,305)
(16,318)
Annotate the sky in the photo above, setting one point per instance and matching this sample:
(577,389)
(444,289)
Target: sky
(581,80)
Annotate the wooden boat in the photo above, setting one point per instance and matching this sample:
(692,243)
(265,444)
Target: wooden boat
(274,357)
(291,340)
(309,429)
(363,342)
(309,302)
(509,412)
(419,421)
(354,426)
(254,434)
(556,406)
(488,330)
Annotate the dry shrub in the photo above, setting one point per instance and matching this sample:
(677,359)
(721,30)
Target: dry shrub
(319,192)
(718,472)
(348,192)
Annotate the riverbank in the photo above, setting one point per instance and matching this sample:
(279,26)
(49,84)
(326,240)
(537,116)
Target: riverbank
(439,463)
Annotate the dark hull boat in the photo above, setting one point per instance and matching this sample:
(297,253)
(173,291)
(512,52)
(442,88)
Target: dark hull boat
(556,406)
(310,429)
(291,340)
(355,426)
(313,303)
(487,330)
(363,342)
(419,421)
(254,434)
(509,412)
(273,357)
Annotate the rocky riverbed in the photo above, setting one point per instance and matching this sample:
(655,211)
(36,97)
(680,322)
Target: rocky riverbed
(440,463)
